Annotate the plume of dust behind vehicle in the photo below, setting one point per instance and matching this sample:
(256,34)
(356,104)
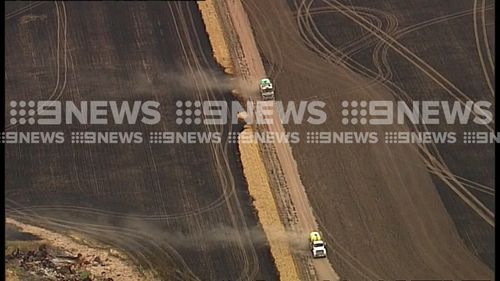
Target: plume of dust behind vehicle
(189,83)
(218,235)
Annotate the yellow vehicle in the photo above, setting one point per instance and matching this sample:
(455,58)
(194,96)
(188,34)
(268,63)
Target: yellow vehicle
(314,236)
(318,247)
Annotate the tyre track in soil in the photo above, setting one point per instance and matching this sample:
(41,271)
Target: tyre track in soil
(248,255)
(416,60)
(61,24)
(430,259)
(139,245)
(23,9)
(429,152)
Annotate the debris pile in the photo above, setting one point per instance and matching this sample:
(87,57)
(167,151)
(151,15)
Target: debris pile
(48,265)
(97,263)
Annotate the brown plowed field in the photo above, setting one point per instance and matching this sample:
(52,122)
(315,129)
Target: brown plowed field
(387,210)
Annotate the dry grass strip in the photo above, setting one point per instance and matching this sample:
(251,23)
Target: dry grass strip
(219,43)
(258,185)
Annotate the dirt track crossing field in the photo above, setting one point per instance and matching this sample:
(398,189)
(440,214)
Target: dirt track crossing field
(252,69)
(388,211)
(181,210)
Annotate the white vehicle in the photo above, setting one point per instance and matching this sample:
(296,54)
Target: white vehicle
(318,247)
(266,89)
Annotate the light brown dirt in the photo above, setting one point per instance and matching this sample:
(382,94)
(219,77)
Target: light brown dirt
(115,268)
(306,221)
(10,275)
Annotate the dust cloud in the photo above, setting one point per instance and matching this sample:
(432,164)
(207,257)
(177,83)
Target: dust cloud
(220,235)
(203,80)
(190,84)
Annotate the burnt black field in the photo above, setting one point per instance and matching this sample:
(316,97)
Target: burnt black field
(179,209)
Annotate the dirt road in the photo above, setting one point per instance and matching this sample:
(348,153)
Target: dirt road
(306,220)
